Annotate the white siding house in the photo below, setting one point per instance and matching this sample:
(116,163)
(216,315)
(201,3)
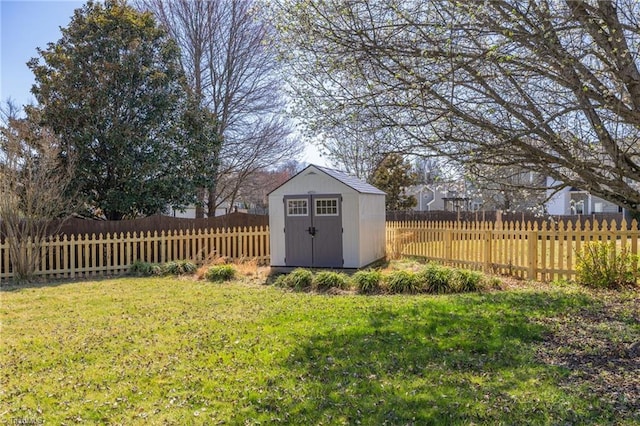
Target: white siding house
(570,201)
(323,217)
(428,198)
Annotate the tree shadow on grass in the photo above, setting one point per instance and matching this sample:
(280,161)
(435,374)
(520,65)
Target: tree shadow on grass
(8,286)
(461,361)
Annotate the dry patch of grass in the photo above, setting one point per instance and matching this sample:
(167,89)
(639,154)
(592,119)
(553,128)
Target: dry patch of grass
(248,269)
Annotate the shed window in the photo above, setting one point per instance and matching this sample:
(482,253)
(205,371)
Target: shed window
(327,207)
(297,207)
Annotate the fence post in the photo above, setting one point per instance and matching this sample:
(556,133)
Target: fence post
(448,249)
(4,261)
(488,237)
(532,238)
(633,234)
(73,251)
(163,248)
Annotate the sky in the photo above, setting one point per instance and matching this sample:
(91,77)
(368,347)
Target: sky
(26,25)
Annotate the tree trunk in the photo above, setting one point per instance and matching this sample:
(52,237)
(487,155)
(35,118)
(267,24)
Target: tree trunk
(200,203)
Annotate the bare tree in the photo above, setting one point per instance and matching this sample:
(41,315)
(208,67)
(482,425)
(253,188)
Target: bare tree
(548,86)
(430,170)
(33,189)
(254,193)
(358,153)
(510,189)
(233,71)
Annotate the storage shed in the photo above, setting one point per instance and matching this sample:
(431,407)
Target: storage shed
(324,218)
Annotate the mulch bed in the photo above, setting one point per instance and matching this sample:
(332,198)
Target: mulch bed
(600,346)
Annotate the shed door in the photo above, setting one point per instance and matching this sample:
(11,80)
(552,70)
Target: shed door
(313,230)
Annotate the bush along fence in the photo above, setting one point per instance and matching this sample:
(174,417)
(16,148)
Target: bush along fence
(526,250)
(109,254)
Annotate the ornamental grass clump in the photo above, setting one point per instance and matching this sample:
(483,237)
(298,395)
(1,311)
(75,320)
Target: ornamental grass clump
(298,279)
(179,267)
(143,269)
(465,281)
(403,282)
(436,279)
(493,283)
(326,280)
(367,282)
(220,273)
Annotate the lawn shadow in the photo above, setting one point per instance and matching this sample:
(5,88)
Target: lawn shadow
(7,286)
(466,360)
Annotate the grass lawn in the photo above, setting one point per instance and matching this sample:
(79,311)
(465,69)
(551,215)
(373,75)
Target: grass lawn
(177,351)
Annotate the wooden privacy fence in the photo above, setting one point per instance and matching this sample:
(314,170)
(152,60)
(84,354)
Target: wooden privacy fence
(527,250)
(89,255)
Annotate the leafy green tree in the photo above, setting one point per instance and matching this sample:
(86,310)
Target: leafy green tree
(113,90)
(393,176)
(200,126)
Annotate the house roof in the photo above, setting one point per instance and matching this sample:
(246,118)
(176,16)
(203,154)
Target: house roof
(351,181)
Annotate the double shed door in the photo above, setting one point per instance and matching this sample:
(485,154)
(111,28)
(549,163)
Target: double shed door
(313,230)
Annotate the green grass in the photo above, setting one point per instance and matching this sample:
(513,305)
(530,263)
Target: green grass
(175,351)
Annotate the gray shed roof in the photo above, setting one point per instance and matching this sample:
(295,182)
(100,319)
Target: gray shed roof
(352,182)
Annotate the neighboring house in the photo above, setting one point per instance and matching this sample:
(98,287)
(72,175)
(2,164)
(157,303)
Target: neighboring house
(428,199)
(571,201)
(189,212)
(441,197)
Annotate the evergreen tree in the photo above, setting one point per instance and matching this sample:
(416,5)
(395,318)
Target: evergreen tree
(113,90)
(393,176)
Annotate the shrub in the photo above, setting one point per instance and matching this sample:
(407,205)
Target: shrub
(326,279)
(280,281)
(219,273)
(298,279)
(561,282)
(465,280)
(142,269)
(492,282)
(436,279)
(179,267)
(598,265)
(403,282)
(367,281)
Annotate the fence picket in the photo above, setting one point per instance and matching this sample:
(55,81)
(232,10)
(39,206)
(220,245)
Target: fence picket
(89,255)
(536,251)
(531,250)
